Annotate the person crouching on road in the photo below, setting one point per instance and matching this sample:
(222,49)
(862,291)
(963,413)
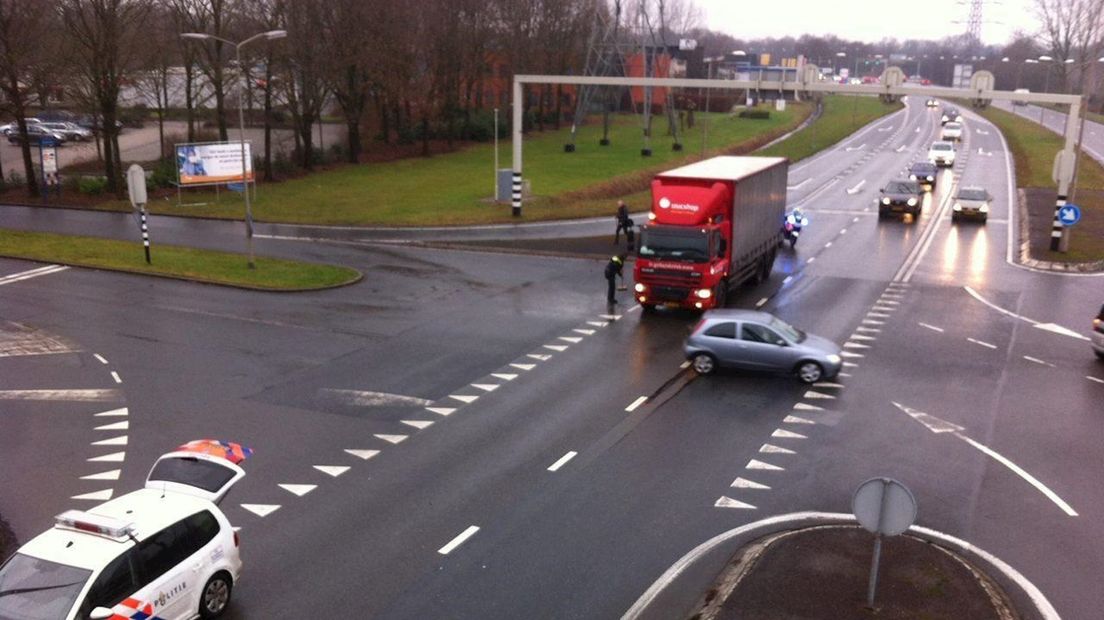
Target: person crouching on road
(613,271)
(624,222)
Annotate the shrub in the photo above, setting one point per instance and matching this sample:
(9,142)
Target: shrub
(163,174)
(754,113)
(93,186)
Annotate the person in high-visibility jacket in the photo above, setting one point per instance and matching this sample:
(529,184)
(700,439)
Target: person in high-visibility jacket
(613,271)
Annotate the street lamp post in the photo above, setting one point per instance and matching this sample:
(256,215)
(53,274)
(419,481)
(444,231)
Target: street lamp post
(269,35)
(835,75)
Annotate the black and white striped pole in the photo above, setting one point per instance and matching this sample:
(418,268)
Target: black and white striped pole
(1065,171)
(515,194)
(136,186)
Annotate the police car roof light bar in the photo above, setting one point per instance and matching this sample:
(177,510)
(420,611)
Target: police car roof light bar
(94,524)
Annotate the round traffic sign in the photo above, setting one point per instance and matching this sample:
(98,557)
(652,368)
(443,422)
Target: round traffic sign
(884,506)
(1069,214)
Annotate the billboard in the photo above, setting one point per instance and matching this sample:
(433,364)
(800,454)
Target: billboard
(211,163)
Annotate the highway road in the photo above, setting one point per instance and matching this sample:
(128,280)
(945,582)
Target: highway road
(1092,142)
(473,435)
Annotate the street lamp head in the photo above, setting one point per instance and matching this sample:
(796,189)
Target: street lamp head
(841,54)
(1045,59)
(275,34)
(1069,61)
(201,36)
(1031,61)
(1005,59)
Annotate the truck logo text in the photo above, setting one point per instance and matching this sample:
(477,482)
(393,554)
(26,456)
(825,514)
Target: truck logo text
(665,203)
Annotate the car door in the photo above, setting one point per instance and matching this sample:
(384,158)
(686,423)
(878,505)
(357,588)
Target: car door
(170,574)
(720,340)
(764,348)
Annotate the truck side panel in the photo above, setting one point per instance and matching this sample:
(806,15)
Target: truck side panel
(759,206)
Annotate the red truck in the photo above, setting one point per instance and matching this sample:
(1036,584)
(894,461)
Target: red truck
(713,224)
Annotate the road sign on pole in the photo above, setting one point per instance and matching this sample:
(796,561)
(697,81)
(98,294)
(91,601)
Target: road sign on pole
(887,508)
(136,186)
(1069,214)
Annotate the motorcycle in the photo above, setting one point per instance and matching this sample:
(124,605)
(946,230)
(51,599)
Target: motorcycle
(791,230)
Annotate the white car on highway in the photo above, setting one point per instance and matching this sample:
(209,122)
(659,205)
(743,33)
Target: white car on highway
(165,551)
(942,154)
(951,131)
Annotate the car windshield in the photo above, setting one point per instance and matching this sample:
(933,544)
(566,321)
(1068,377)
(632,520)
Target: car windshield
(942,146)
(953,126)
(923,169)
(789,332)
(36,589)
(677,244)
(973,194)
(900,187)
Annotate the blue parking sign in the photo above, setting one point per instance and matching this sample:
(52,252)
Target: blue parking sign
(1069,214)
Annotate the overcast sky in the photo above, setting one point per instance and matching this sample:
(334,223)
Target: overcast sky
(860,20)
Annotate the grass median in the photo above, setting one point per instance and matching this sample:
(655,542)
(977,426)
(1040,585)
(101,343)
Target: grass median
(208,266)
(1033,147)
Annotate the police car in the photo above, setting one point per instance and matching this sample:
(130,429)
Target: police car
(165,552)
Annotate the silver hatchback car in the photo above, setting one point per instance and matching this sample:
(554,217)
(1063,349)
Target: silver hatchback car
(753,340)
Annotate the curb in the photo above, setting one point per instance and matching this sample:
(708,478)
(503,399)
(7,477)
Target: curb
(1025,246)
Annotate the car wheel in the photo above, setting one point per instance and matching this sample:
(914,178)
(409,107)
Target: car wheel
(809,372)
(704,363)
(984,218)
(215,597)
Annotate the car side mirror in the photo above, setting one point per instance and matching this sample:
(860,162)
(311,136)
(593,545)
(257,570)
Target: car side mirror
(882,190)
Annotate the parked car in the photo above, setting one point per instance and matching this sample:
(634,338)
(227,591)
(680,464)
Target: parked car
(901,197)
(36,134)
(942,154)
(1098,334)
(7,128)
(165,551)
(925,173)
(752,340)
(951,131)
(971,202)
(71,131)
(951,115)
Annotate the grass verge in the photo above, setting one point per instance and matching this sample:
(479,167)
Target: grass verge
(1033,147)
(841,117)
(208,266)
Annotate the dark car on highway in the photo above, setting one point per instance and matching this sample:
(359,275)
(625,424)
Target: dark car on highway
(901,197)
(924,173)
(973,203)
(951,115)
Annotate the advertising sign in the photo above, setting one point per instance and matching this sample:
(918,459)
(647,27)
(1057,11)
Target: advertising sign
(49,160)
(211,163)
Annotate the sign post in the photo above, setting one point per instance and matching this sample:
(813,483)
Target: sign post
(886,508)
(136,187)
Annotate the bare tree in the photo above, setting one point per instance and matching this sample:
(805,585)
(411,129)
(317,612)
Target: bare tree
(23,28)
(1071,30)
(213,17)
(304,68)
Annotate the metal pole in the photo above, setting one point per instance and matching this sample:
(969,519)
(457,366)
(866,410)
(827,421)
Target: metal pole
(874,570)
(495,199)
(145,231)
(245,181)
(516,189)
(705,117)
(1059,234)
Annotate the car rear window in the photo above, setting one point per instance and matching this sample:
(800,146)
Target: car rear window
(942,146)
(193,472)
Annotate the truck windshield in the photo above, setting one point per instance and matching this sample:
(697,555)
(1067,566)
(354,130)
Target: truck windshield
(33,589)
(677,244)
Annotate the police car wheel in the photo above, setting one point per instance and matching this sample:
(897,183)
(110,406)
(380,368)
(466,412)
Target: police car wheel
(216,596)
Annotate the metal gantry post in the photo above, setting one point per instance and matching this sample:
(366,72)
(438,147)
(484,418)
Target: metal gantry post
(518,108)
(1059,234)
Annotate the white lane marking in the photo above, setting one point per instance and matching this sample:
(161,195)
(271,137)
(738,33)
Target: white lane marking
(932,423)
(812,394)
(744,483)
(610,317)
(1051,495)
(598,323)
(869,330)
(727,502)
(298,489)
(363,455)
(857,148)
(787,279)
(931,327)
(880,315)
(95,495)
(365,398)
(33,273)
(261,510)
(855,190)
(504,376)
(844,374)
(99,357)
(73,395)
(633,309)
(684,365)
(393,439)
(459,540)
(486,387)
(828,245)
(539,356)
(441,410)
(121,440)
(464,398)
(792,419)
(887,302)
(849,365)
(806,407)
(828,384)
(851,355)
(556,347)
(782,433)
(524,366)
(112,474)
(571,339)
(855,219)
(1058,329)
(585,332)
(754,464)
(901,148)
(982,343)
(1038,361)
(636,403)
(811,259)
(798,186)
(1091,378)
(121,411)
(761,302)
(855,345)
(994,306)
(115,376)
(332,470)
(873,322)
(114,426)
(418,424)
(773,449)
(114,457)
(562,460)
(843,231)
(1046,610)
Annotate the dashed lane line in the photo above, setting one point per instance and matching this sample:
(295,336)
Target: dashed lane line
(562,460)
(100,358)
(1094,379)
(33,273)
(931,327)
(1038,361)
(982,343)
(636,403)
(115,376)
(459,540)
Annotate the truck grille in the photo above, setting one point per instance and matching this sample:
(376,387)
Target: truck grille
(670,278)
(668,293)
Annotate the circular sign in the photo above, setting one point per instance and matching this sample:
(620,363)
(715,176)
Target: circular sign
(664,203)
(884,506)
(1069,214)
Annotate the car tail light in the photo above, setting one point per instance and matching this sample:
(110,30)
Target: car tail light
(237,541)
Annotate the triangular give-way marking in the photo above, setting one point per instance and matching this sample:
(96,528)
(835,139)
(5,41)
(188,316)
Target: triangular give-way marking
(571,339)
(855,345)
(486,387)
(611,317)
(441,410)
(114,457)
(782,433)
(121,440)
(114,426)
(107,475)
(556,347)
(464,398)
(585,332)
(754,464)
(392,438)
(418,424)
(827,384)
(806,407)
(96,495)
(772,449)
(792,419)
(332,470)
(261,510)
(728,502)
(813,394)
(539,356)
(850,354)
(362,454)
(113,413)
(524,366)
(298,489)
(597,323)
(504,376)
(744,483)
(861,337)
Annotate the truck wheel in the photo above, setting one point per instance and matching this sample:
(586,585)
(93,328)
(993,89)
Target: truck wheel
(647,308)
(704,363)
(809,372)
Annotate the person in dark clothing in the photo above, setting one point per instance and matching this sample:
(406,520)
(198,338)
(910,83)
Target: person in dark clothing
(630,237)
(624,222)
(613,271)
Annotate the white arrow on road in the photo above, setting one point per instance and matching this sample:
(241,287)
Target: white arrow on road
(856,148)
(855,190)
(938,425)
(1050,327)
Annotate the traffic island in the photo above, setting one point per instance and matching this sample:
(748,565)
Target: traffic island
(823,572)
(181,263)
(1036,211)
